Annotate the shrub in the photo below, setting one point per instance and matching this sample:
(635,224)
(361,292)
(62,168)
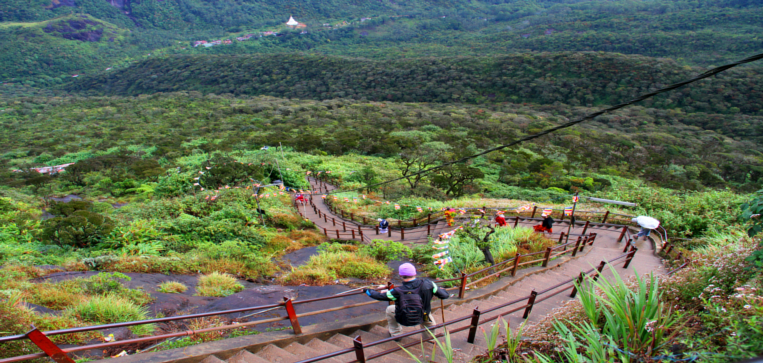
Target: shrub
(723,268)
(172,287)
(109,309)
(80,229)
(217,284)
(386,250)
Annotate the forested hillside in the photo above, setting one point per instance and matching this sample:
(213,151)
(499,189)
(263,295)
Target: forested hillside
(587,79)
(660,146)
(691,32)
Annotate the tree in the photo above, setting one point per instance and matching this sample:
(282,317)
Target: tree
(453,178)
(418,156)
(479,234)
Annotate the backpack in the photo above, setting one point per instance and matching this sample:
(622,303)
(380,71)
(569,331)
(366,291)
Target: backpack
(410,310)
(384,224)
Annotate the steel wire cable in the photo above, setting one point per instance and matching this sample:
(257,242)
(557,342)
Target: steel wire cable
(590,116)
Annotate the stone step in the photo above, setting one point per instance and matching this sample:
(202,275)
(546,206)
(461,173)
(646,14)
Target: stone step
(326,347)
(369,337)
(212,359)
(244,356)
(272,353)
(302,352)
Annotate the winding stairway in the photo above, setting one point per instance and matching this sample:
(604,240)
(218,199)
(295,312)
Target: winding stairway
(298,348)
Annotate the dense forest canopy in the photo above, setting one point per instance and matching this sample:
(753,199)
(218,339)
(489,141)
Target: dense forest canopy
(587,79)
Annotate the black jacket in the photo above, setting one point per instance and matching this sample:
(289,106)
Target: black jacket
(429,290)
(548,222)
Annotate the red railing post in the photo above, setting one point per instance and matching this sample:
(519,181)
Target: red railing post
(414,222)
(535,208)
(577,245)
(561,238)
(474,324)
(315,210)
(429,218)
(630,242)
(360,355)
(670,249)
(516,221)
(575,287)
(344,227)
(377,229)
(399,223)
(46,345)
(547,257)
(342,213)
(530,303)
(604,220)
(319,213)
(361,234)
(389,232)
(429,229)
(325,232)
(516,264)
(292,316)
(592,237)
(631,254)
(333,221)
(622,234)
(599,269)
(585,228)
(325,219)
(337,234)
(353,234)
(462,288)
(402,233)
(364,220)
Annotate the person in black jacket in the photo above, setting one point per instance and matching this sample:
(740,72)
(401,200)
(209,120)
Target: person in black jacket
(546,225)
(426,290)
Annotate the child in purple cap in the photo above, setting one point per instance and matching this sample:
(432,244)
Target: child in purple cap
(412,301)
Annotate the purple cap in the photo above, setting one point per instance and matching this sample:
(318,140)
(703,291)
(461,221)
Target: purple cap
(407,269)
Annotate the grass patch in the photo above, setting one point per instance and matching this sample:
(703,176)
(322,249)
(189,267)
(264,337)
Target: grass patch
(172,287)
(334,262)
(111,309)
(217,284)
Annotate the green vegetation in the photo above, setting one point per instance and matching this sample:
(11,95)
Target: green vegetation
(112,309)
(546,78)
(172,287)
(217,284)
(336,261)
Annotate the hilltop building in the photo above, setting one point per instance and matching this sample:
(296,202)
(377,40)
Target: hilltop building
(294,24)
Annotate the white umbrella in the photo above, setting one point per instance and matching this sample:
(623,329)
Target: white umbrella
(647,222)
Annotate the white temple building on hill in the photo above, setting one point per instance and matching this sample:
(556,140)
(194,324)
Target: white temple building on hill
(294,24)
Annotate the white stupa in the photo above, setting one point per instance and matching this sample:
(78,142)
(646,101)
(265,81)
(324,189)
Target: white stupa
(292,22)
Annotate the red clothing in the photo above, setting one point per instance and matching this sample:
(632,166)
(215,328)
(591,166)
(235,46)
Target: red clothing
(541,229)
(500,220)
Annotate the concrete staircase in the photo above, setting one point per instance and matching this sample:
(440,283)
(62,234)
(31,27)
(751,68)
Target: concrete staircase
(295,352)
(605,248)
